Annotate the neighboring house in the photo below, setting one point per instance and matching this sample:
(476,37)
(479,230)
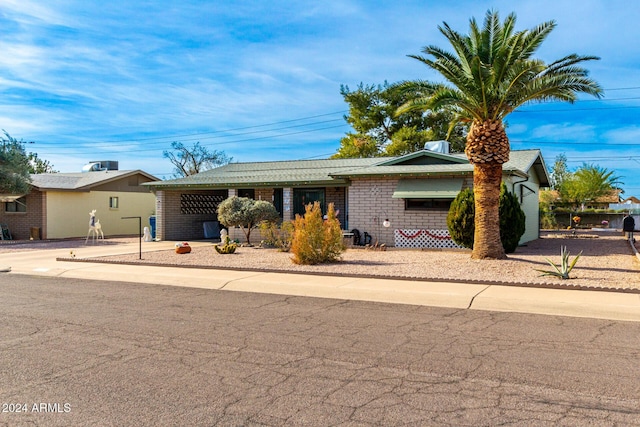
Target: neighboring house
(413,192)
(630,204)
(602,202)
(631,200)
(58,204)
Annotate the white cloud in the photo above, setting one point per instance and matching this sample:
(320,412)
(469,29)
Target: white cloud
(629,134)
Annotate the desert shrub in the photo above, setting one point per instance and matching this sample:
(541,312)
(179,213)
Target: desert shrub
(245,213)
(316,240)
(461,216)
(548,220)
(460,219)
(277,235)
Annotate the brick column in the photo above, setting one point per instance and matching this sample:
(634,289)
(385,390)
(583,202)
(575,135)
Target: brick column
(160,215)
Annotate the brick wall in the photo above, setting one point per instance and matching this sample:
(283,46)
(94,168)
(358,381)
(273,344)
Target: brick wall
(370,203)
(336,195)
(20,223)
(172,224)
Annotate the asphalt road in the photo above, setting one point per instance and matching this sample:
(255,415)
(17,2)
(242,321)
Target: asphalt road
(78,352)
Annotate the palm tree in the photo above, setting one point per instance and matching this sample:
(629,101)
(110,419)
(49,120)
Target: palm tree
(490,73)
(588,183)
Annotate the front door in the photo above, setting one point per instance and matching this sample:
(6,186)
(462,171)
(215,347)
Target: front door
(303,196)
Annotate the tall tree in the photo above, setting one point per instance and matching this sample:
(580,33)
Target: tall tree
(378,131)
(38,165)
(14,166)
(192,160)
(588,183)
(559,172)
(490,73)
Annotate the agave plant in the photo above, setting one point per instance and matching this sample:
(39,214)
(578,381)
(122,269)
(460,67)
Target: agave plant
(562,271)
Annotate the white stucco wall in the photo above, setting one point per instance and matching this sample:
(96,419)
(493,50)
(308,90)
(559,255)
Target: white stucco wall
(528,193)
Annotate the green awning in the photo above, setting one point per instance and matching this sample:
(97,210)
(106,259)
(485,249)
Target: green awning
(428,188)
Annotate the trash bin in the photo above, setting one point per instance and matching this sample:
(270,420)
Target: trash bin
(34,233)
(211,229)
(152,225)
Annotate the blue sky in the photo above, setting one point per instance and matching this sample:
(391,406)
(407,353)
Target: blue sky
(120,80)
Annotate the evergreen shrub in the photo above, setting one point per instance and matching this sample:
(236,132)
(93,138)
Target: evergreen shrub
(461,217)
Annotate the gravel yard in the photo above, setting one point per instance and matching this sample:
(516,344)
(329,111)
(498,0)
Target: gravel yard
(607,262)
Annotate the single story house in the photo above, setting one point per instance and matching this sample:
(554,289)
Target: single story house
(602,202)
(58,204)
(399,201)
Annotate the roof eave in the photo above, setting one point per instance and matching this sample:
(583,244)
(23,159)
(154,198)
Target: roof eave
(405,174)
(224,186)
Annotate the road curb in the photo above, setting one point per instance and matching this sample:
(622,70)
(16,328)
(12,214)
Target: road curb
(535,285)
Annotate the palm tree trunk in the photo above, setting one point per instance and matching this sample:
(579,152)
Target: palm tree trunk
(487,149)
(486,190)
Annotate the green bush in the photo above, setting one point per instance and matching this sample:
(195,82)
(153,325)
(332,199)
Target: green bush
(512,220)
(548,220)
(316,240)
(460,220)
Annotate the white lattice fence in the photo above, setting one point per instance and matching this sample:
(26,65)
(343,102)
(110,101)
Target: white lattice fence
(421,238)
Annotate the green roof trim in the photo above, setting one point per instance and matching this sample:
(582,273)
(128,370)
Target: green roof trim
(428,188)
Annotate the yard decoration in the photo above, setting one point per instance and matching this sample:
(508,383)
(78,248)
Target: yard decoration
(576,219)
(95,229)
(183,248)
(228,247)
(565,267)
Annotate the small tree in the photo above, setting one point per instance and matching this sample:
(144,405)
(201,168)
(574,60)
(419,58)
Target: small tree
(245,213)
(316,240)
(461,219)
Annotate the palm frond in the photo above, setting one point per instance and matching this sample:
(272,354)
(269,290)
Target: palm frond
(493,72)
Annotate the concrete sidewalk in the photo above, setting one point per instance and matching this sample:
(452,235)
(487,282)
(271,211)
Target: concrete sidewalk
(577,303)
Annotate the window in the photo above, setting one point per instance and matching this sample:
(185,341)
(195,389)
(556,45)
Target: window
(249,193)
(18,205)
(427,204)
(113,203)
